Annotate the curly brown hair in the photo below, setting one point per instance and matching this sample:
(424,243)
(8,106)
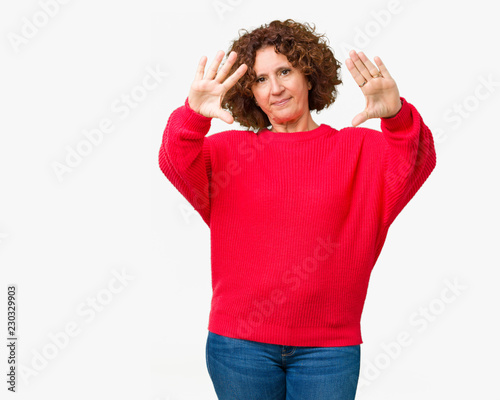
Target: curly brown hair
(305,49)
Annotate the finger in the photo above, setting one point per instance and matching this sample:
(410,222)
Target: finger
(229,82)
(369,65)
(221,75)
(212,70)
(382,67)
(225,116)
(360,65)
(360,118)
(201,69)
(358,78)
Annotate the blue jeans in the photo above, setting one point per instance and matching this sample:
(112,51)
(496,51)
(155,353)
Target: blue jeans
(247,370)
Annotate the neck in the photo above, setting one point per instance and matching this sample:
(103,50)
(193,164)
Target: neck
(301,124)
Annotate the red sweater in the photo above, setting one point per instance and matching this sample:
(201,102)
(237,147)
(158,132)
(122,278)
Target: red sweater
(297,219)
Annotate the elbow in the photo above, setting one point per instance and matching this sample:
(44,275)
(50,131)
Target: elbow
(164,162)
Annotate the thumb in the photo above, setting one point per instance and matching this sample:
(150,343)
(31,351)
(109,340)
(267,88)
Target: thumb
(225,116)
(360,118)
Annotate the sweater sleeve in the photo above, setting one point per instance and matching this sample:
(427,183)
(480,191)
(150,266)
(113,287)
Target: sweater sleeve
(408,159)
(185,158)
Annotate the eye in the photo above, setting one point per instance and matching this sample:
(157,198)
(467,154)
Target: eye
(261,79)
(285,71)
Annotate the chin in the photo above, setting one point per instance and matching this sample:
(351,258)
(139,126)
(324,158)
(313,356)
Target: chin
(282,119)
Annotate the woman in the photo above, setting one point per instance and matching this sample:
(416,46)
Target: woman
(298,212)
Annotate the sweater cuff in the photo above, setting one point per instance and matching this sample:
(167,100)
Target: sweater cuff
(197,120)
(401,121)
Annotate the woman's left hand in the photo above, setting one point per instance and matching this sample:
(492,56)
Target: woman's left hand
(380,90)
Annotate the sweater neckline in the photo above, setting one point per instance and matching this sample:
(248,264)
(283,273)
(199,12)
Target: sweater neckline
(298,136)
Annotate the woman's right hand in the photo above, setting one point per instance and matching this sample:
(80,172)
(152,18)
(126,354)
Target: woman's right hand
(206,94)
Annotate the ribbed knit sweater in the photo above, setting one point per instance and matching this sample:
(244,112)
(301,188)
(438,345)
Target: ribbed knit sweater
(297,219)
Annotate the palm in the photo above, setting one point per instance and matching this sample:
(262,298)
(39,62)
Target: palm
(207,96)
(375,92)
(381,92)
(206,93)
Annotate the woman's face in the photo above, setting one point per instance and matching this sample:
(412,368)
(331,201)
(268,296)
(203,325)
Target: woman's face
(281,90)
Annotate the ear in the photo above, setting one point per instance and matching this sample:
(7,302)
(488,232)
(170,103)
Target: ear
(309,85)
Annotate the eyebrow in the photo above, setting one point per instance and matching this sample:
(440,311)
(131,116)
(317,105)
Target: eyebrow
(284,66)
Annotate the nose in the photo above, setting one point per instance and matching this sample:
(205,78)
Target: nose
(276,87)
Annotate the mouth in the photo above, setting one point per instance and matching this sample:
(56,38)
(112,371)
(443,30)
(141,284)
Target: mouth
(281,102)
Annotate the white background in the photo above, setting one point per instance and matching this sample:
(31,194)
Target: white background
(62,241)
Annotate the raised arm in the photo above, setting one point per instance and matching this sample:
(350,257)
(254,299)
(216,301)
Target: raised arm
(408,159)
(409,155)
(185,156)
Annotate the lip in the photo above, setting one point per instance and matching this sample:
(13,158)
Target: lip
(281,102)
